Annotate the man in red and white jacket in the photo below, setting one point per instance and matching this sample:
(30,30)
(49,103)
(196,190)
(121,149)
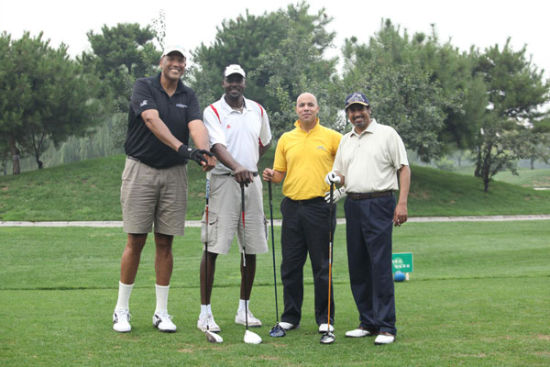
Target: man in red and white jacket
(239,135)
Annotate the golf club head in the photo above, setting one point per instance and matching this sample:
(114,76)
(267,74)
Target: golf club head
(213,337)
(251,338)
(327,338)
(277,331)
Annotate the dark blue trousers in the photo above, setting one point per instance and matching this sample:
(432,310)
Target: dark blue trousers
(369,242)
(305,230)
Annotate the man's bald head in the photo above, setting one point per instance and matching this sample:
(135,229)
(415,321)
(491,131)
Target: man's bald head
(307,108)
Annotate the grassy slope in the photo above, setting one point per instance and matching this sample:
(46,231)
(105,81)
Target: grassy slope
(89,190)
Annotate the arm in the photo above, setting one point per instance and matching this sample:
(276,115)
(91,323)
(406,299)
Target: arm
(400,215)
(242,175)
(199,135)
(159,129)
(273,175)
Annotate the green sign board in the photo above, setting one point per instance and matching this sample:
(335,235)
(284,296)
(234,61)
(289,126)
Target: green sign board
(402,261)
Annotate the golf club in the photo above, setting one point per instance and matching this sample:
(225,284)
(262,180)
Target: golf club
(328,337)
(277,331)
(249,336)
(210,336)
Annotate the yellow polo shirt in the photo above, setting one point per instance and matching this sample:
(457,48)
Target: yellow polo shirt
(306,157)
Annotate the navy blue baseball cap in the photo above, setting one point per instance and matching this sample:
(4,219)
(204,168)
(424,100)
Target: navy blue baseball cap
(356,98)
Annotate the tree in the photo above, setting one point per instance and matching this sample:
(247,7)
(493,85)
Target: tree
(515,90)
(403,93)
(282,54)
(44,96)
(121,54)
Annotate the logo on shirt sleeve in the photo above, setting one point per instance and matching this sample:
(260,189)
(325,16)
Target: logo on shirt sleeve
(143,103)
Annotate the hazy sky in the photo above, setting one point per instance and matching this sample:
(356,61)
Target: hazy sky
(481,23)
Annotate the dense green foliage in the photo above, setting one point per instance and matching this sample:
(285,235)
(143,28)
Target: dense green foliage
(472,283)
(45,97)
(441,100)
(515,91)
(282,53)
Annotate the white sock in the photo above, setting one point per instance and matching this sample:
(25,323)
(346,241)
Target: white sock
(162,298)
(124,292)
(204,309)
(242,304)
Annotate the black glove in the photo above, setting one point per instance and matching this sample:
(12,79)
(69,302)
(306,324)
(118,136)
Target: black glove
(195,154)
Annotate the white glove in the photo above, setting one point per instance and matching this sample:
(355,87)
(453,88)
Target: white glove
(336,195)
(332,177)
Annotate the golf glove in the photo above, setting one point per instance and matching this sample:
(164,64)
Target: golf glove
(194,154)
(336,195)
(332,177)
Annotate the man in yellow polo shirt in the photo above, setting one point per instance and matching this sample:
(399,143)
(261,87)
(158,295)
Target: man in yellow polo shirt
(305,155)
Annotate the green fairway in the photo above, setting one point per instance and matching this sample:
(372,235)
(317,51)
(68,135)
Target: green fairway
(478,297)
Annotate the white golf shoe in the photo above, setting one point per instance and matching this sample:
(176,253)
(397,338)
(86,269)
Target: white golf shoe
(288,326)
(357,333)
(206,322)
(323,328)
(384,338)
(121,321)
(163,322)
(252,321)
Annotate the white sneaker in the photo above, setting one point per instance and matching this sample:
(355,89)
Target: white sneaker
(121,321)
(358,333)
(384,338)
(206,322)
(252,321)
(323,328)
(163,322)
(288,326)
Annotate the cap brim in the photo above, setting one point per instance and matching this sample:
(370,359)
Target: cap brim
(235,73)
(357,102)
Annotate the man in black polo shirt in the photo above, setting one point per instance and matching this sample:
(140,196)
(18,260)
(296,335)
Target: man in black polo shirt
(163,114)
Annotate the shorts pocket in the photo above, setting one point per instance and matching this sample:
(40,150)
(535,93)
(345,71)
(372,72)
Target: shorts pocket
(212,228)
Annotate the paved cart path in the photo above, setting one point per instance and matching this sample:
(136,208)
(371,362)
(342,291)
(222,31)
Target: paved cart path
(277,222)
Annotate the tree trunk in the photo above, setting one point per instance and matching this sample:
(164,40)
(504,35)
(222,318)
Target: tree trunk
(38,161)
(15,156)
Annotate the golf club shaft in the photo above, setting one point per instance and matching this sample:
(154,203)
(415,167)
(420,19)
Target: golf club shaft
(207,194)
(244,257)
(330,254)
(273,249)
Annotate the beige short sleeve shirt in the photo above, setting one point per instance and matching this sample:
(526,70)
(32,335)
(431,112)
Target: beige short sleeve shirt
(369,161)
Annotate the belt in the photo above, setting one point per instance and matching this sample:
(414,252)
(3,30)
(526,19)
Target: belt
(308,201)
(369,195)
(231,174)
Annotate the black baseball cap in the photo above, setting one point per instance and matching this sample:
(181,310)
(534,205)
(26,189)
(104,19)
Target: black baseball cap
(356,98)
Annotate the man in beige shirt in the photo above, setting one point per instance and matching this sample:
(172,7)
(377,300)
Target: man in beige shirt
(368,162)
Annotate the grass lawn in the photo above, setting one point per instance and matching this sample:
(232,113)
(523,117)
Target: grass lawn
(478,297)
(90,190)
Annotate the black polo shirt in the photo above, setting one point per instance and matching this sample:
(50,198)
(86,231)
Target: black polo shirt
(176,112)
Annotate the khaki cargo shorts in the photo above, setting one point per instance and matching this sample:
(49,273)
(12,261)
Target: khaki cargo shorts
(224,216)
(151,196)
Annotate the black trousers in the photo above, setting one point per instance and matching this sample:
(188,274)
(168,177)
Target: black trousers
(305,230)
(369,242)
